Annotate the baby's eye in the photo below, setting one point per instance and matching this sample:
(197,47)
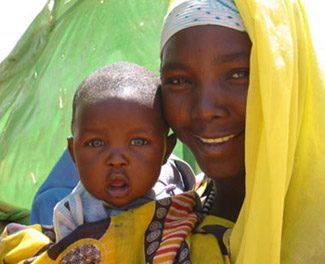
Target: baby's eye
(95,143)
(138,142)
(240,74)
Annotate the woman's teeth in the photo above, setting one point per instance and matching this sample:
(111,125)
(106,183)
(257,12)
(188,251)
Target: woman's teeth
(216,140)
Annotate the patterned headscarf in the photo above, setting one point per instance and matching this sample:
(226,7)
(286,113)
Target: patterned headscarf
(189,13)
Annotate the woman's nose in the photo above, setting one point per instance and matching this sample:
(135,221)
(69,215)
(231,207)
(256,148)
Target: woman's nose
(209,104)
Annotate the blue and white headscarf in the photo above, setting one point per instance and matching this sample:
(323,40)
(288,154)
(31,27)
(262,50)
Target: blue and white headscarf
(189,13)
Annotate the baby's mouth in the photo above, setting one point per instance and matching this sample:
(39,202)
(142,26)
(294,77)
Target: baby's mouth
(118,188)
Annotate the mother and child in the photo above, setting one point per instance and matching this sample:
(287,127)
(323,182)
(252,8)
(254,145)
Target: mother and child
(242,87)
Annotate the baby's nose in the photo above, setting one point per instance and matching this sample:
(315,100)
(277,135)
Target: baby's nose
(116,158)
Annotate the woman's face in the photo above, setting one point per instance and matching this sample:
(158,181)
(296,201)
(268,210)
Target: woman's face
(205,77)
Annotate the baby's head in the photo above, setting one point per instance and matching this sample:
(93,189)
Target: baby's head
(120,138)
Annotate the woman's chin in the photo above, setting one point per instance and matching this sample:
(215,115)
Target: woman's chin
(221,170)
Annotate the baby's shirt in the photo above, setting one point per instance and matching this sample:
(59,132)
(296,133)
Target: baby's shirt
(81,207)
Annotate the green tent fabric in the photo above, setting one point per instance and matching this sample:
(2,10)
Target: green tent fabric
(67,41)
(8,214)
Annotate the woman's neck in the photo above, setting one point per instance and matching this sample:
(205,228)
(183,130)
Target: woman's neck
(230,194)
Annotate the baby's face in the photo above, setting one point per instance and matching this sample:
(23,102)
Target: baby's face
(118,147)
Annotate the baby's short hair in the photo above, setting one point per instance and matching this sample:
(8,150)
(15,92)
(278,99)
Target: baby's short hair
(121,79)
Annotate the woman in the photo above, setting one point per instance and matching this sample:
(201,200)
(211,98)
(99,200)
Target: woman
(205,69)
(204,87)
(247,100)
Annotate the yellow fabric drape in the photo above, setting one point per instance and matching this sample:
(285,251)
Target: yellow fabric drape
(17,247)
(283,216)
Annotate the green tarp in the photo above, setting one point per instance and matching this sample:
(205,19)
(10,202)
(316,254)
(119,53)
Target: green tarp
(66,42)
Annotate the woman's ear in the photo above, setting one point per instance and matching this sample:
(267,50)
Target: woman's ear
(70,148)
(170,144)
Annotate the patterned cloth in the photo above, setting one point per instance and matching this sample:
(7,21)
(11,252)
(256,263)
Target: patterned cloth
(157,232)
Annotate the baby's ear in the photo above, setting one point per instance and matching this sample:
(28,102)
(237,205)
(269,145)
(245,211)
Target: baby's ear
(170,144)
(70,147)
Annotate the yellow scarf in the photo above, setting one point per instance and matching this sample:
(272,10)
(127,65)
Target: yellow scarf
(283,216)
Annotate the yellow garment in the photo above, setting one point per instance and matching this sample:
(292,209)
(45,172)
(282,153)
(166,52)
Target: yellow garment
(17,247)
(283,216)
(157,232)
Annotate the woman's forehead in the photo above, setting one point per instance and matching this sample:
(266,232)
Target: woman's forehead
(208,42)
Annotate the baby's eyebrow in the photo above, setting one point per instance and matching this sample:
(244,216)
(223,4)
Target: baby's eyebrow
(93,130)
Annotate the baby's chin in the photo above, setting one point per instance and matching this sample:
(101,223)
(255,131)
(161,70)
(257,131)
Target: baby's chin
(118,195)
(118,202)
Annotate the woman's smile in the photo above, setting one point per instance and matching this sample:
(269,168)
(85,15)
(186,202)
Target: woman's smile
(217,139)
(217,146)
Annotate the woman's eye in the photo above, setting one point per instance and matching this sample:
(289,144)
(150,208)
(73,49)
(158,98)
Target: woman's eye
(138,142)
(178,81)
(95,143)
(240,74)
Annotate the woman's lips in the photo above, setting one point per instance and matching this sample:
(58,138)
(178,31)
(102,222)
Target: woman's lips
(216,145)
(216,140)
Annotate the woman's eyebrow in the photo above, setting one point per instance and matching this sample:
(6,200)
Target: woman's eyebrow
(233,57)
(173,66)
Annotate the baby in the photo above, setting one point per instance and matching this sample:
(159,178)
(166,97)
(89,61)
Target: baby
(120,142)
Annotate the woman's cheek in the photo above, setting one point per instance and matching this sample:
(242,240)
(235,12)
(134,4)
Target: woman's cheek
(175,110)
